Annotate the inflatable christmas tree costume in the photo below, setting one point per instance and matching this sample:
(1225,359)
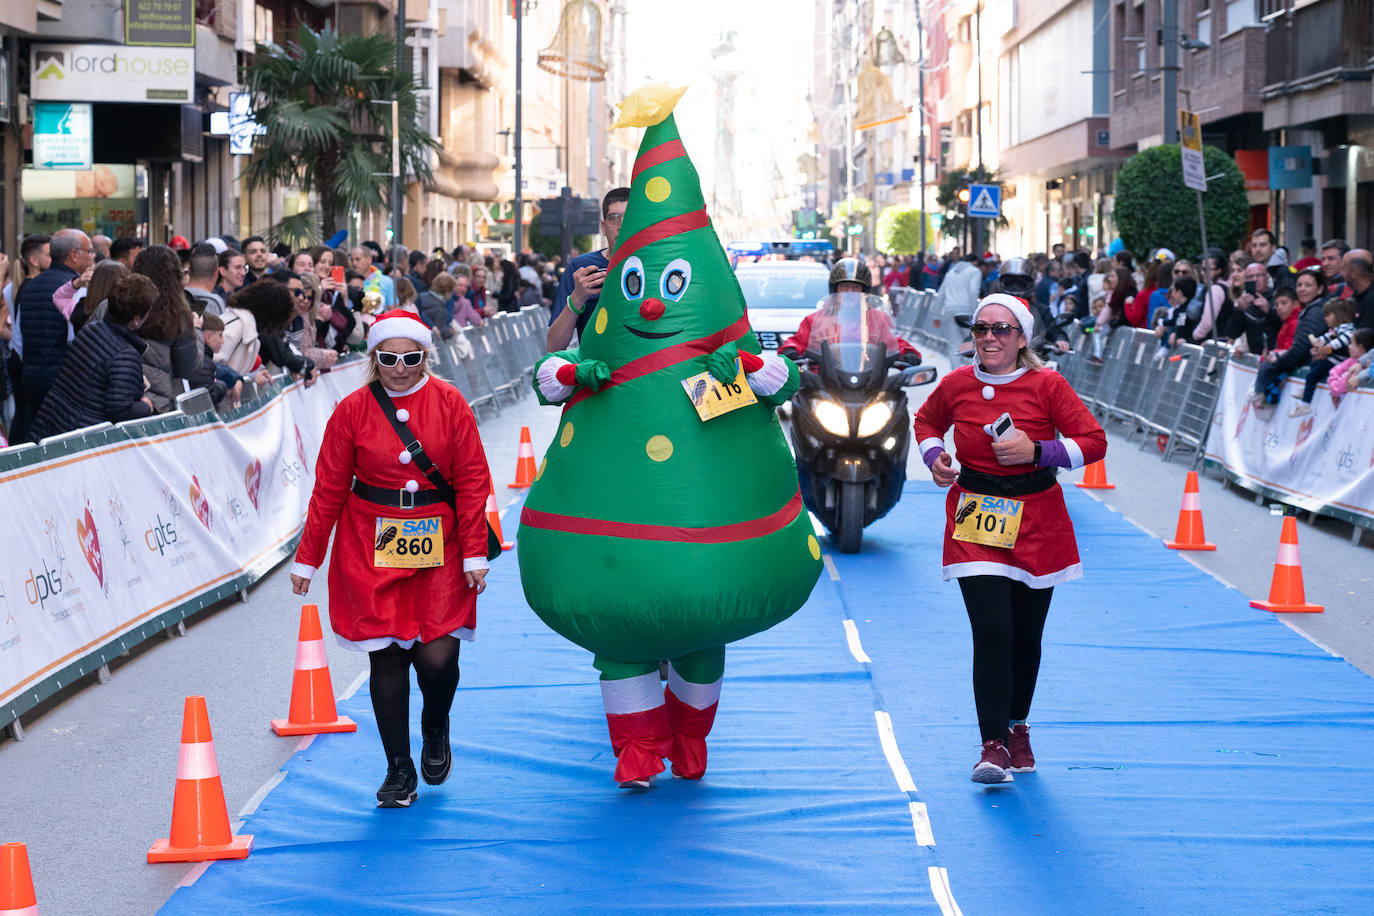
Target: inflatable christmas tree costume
(666,520)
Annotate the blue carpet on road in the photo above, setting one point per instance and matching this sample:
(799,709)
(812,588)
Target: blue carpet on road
(1194,754)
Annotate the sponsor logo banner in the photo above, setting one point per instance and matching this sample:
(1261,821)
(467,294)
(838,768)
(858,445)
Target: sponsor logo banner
(1323,459)
(99,544)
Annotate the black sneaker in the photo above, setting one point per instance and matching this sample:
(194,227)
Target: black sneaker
(398,789)
(436,757)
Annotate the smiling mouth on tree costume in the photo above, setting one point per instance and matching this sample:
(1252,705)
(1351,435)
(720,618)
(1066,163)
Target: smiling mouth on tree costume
(650,335)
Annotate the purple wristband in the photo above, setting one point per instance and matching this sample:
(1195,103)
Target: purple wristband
(1053,454)
(931,455)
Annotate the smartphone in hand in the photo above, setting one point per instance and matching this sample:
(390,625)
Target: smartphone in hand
(337,275)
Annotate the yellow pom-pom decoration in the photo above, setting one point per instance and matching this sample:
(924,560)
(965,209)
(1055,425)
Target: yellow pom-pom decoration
(648,105)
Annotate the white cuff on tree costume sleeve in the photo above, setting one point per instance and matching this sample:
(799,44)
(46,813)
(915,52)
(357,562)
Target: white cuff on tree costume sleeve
(770,378)
(546,377)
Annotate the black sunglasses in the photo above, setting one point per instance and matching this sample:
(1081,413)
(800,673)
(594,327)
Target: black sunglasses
(1000,329)
(301,293)
(411,359)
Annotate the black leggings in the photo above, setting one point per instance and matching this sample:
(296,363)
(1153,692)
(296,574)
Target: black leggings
(436,671)
(1007,619)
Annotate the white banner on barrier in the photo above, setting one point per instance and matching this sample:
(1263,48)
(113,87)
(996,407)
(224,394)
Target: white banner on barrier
(1323,459)
(100,541)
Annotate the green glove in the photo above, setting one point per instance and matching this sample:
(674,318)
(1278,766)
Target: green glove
(593,373)
(721,363)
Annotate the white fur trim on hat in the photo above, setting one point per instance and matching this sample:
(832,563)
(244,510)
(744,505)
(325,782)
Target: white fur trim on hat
(1017,307)
(399,323)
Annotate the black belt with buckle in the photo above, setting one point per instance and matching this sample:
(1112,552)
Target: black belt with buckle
(396,498)
(1009,485)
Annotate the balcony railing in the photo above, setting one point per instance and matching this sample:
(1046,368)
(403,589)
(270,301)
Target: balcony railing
(1329,39)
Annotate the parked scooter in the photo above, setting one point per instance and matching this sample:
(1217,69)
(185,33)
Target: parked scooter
(851,429)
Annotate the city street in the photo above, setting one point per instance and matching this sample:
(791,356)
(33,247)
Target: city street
(90,787)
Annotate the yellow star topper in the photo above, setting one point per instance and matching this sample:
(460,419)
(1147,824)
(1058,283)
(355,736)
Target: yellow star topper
(648,105)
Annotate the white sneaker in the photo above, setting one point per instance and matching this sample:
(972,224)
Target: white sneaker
(1301,410)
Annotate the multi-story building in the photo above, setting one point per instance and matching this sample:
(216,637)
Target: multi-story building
(1317,97)
(1053,98)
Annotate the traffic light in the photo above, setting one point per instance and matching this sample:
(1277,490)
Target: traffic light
(963,197)
(855,229)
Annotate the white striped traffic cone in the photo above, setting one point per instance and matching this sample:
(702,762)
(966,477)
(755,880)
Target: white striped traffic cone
(200,820)
(1285,591)
(312,693)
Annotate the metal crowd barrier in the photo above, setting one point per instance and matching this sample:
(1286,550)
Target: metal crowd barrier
(1173,396)
(1171,393)
(491,365)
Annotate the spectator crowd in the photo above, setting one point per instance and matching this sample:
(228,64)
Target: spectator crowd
(1314,314)
(94,329)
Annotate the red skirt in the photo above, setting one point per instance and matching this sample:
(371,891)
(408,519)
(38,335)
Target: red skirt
(1045,554)
(366,602)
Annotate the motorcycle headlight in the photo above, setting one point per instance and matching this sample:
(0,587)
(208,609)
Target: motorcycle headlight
(832,416)
(874,418)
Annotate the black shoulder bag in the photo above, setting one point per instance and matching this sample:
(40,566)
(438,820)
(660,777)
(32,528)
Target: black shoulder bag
(424,463)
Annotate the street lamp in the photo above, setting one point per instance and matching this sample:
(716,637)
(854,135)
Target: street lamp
(574,53)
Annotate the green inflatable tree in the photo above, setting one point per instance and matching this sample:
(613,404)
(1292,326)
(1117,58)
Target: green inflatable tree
(1155,210)
(649,532)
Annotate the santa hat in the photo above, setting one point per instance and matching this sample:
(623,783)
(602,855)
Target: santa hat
(399,323)
(1018,307)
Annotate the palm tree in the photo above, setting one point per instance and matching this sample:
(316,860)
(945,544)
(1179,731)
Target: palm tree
(316,100)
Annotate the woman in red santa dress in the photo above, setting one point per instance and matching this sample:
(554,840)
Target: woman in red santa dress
(407,566)
(1008,537)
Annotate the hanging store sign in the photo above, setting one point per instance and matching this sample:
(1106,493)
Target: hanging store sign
(62,135)
(112,73)
(168,23)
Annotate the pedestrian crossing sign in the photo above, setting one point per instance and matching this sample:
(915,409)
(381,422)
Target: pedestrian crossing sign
(985,200)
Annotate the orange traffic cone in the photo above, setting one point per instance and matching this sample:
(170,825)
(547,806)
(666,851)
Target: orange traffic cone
(1095,477)
(1285,592)
(16,882)
(200,821)
(524,462)
(494,519)
(1189,535)
(312,694)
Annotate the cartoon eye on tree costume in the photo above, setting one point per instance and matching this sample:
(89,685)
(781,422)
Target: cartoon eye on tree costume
(666,520)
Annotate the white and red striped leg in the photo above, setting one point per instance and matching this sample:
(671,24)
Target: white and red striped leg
(691,713)
(637,719)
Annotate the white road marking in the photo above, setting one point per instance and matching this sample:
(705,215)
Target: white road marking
(856,649)
(939,886)
(192,876)
(353,687)
(894,756)
(252,804)
(305,743)
(920,820)
(829,562)
(816,524)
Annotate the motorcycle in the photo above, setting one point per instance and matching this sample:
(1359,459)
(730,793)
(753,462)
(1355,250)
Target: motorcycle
(851,429)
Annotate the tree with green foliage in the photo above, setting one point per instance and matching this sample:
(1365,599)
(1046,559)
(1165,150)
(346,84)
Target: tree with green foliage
(323,103)
(899,230)
(1154,209)
(947,198)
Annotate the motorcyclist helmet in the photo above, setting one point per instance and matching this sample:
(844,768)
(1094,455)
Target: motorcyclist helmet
(1017,278)
(850,270)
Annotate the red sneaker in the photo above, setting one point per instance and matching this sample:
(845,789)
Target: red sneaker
(1018,745)
(993,766)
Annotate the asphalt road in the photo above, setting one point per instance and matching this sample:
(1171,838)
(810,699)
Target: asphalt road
(90,787)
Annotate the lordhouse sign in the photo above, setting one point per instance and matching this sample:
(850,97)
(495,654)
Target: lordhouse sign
(111,73)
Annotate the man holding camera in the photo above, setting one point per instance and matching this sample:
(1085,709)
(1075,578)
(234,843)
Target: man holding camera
(1259,323)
